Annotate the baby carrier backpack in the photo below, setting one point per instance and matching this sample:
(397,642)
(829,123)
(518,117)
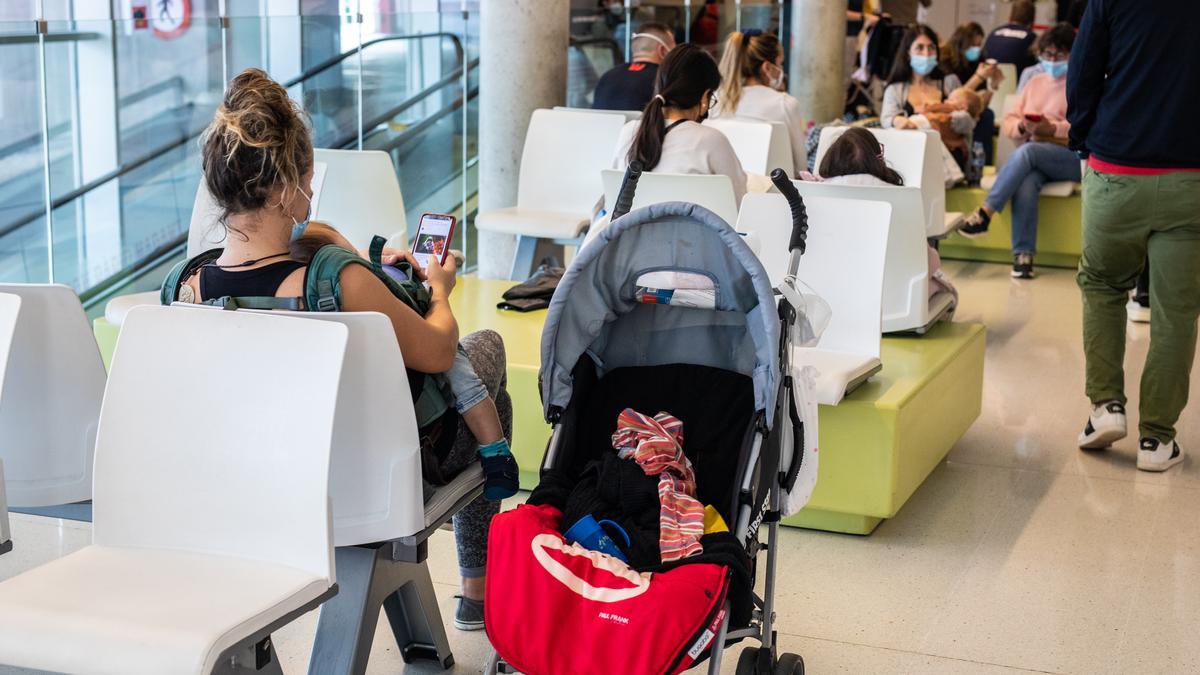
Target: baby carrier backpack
(323,293)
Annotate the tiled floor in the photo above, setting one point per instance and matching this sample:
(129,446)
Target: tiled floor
(1019,554)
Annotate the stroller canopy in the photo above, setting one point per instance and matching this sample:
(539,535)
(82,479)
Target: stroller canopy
(615,303)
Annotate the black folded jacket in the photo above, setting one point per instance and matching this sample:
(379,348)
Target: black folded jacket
(536,291)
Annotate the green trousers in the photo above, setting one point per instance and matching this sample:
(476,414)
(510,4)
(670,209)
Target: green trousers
(1127,219)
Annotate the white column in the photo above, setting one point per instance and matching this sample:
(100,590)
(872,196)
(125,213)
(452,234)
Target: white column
(523,67)
(816,53)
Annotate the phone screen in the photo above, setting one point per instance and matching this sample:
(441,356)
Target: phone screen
(433,238)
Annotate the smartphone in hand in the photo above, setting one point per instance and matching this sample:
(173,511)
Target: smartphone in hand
(432,242)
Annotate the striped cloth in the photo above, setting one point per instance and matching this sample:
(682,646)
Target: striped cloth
(656,444)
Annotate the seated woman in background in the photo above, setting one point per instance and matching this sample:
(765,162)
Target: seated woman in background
(963,56)
(856,158)
(1038,123)
(258,161)
(752,86)
(915,81)
(669,138)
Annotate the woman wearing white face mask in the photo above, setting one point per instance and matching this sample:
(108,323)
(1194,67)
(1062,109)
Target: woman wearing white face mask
(752,86)
(915,81)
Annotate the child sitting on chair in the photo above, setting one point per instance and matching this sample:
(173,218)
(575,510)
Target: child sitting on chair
(471,398)
(856,158)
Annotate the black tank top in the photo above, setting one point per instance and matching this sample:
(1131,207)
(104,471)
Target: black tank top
(261,281)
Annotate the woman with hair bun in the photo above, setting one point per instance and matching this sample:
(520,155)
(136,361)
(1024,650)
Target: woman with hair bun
(669,138)
(752,86)
(258,165)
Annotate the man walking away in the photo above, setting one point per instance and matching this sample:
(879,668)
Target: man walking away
(1130,95)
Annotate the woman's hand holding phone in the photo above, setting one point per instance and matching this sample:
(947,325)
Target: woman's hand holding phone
(442,277)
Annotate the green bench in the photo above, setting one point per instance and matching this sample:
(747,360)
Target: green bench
(877,446)
(1059,238)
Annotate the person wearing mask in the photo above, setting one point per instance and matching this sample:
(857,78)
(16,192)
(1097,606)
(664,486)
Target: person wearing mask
(752,86)
(1141,198)
(257,160)
(670,137)
(903,12)
(915,81)
(962,55)
(629,86)
(1013,42)
(1038,124)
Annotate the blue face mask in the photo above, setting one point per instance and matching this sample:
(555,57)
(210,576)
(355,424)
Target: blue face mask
(298,227)
(973,53)
(922,65)
(1056,69)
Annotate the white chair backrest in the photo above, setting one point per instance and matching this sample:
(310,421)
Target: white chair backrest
(714,193)
(564,153)
(760,146)
(227,456)
(355,191)
(843,263)
(49,398)
(781,151)
(1004,145)
(375,477)
(1008,86)
(629,115)
(917,156)
(906,268)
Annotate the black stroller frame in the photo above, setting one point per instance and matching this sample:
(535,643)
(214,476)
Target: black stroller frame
(764,477)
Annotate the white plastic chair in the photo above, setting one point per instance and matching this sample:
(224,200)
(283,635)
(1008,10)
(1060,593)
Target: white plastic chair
(760,146)
(212,526)
(375,482)
(843,264)
(907,307)
(1005,147)
(629,115)
(559,184)
(713,192)
(10,305)
(917,156)
(49,396)
(355,191)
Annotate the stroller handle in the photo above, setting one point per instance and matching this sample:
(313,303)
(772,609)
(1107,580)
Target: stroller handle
(628,188)
(799,215)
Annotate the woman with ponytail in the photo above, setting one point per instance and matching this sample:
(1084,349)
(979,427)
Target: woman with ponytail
(752,87)
(669,138)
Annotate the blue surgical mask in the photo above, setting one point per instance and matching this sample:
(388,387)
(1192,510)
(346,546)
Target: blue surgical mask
(922,65)
(298,227)
(973,53)
(1056,69)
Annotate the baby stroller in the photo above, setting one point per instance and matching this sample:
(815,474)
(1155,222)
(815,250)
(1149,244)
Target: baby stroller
(634,325)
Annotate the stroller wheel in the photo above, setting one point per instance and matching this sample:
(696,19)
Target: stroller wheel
(789,664)
(747,663)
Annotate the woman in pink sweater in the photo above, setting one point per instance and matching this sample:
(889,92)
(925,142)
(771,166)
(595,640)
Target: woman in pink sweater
(1039,126)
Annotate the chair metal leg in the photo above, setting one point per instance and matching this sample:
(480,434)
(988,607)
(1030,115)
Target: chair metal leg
(346,627)
(259,658)
(522,265)
(416,623)
(81,511)
(368,578)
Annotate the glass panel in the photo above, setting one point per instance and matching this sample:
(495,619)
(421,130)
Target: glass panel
(23,253)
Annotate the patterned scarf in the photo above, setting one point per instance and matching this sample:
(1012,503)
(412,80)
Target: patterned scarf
(656,444)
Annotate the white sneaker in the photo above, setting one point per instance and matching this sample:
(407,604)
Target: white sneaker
(1137,313)
(1155,456)
(1105,426)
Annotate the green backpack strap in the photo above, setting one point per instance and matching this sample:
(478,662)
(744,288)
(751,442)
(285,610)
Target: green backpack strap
(184,270)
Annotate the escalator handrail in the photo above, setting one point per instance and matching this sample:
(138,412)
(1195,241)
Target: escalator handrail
(617,53)
(127,167)
(334,60)
(450,78)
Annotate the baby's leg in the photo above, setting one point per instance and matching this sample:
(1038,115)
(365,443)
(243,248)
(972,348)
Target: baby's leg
(479,414)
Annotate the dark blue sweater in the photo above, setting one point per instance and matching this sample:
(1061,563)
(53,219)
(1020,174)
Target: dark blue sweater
(1134,83)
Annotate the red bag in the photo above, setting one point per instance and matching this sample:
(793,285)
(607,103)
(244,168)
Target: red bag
(554,608)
